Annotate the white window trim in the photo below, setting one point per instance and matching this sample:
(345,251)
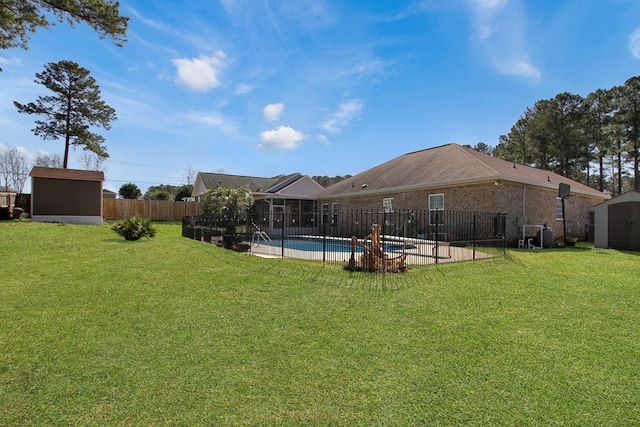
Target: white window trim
(388,205)
(441,209)
(559,216)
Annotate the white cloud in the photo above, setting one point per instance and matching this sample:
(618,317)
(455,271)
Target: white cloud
(243,89)
(521,69)
(272,111)
(6,61)
(200,74)
(283,138)
(30,156)
(323,139)
(214,119)
(347,112)
(483,11)
(634,43)
(499,28)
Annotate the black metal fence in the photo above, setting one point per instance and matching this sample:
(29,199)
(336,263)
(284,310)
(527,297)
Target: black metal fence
(425,237)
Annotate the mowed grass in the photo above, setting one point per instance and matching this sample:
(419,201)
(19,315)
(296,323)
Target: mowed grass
(98,331)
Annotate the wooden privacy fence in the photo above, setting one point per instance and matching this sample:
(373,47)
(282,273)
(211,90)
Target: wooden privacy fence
(157,210)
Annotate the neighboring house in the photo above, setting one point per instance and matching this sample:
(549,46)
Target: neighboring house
(456,178)
(66,195)
(108,194)
(617,222)
(284,193)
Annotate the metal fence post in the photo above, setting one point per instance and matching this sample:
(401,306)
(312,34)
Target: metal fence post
(324,242)
(474,235)
(282,234)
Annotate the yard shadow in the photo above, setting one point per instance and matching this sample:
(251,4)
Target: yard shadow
(122,240)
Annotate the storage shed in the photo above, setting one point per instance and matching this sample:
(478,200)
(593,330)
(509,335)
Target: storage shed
(617,222)
(68,196)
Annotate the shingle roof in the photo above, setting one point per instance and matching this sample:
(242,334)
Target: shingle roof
(255,184)
(447,165)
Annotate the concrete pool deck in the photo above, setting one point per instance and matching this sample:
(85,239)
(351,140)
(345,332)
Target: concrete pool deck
(424,253)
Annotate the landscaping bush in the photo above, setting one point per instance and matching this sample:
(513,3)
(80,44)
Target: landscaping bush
(135,228)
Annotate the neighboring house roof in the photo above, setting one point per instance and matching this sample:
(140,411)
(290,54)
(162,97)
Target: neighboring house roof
(72,174)
(257,185)
(109,194)
(447,165)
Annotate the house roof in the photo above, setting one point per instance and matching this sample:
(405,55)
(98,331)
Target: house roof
(447,165)
(71,174)
(255,184)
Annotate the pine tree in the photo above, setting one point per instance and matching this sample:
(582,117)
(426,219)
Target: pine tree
(73,108)
(18,18)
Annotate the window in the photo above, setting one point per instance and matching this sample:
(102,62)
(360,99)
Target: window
(334,213)
(388,209)
(325,213)
(436,207)
(387,205)
(559,208)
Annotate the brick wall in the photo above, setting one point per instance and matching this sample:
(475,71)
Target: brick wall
(522,204)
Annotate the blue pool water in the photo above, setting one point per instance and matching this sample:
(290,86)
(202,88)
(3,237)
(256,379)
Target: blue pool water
(332,244)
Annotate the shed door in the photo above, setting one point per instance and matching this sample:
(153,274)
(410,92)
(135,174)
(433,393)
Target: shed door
(624,226)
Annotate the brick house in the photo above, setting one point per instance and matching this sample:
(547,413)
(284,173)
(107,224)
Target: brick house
(456,178)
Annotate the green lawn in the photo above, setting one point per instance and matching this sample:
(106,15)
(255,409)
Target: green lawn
(98,331)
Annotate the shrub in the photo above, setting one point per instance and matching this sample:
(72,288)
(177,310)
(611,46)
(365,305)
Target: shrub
(135,228)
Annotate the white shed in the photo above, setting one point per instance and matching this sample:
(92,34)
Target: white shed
(617,222)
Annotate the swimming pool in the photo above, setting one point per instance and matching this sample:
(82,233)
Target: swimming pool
(329,244)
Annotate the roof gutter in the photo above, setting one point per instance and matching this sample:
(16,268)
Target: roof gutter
(455,183)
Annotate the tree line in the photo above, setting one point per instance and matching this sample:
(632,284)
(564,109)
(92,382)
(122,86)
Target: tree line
(594,140)
(326,181)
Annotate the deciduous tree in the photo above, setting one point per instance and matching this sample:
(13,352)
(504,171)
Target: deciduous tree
(14,170)
(91,161)
(129,191)
(48,160)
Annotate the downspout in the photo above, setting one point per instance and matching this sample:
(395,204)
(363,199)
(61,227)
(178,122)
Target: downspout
(524,202)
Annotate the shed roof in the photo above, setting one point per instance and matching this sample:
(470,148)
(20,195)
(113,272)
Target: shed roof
(71,174)
(628,196)
(447,165)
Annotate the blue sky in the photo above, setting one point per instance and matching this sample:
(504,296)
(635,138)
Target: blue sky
(321,87)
